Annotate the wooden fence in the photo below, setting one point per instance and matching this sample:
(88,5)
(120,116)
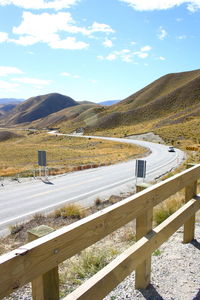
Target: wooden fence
(36,260)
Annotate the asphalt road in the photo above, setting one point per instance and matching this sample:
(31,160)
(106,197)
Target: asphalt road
(20,201)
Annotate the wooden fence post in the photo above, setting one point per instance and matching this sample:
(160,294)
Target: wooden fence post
(143,226)
(46,286)
(189,226)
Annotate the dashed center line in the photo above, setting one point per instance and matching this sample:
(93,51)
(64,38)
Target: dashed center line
(63,188)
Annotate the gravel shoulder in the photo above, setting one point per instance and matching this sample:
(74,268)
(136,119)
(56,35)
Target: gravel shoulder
(175,273)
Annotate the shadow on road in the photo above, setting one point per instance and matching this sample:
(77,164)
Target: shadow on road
(46,181)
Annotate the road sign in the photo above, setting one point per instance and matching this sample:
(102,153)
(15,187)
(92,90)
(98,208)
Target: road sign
(42,158)
(140,169)
(192,148)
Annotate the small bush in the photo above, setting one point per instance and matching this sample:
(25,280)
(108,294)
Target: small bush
(98,202)
(38,217)
(88,263)
(157,252)
(166,209)
(72,211)
(16,228)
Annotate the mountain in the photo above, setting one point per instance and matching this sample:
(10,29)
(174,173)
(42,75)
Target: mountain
(109,102)
(39,107)
(69,114)
(10,101)
(170,99)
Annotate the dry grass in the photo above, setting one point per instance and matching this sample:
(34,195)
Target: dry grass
(83,266)
(168,207)
(73,211)
(63,153)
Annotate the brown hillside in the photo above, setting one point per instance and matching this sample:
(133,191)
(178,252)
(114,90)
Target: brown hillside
(64,115)
(172,97)
(39,107)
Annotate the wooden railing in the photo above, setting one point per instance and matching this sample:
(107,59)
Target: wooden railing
(40,256)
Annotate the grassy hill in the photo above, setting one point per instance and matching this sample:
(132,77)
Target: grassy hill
(173,98)
(38,107)
(162,106)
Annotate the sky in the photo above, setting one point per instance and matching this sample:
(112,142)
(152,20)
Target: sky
(94,50)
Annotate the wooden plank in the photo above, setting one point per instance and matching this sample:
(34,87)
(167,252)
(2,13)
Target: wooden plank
(143,226)
(30,261)
(98,286)
(45,286)
(189,226)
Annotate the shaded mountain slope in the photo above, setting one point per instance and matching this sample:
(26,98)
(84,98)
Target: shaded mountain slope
(39,107)
(64,115)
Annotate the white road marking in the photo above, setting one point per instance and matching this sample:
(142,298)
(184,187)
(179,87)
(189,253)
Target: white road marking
(64,201)
(63,188)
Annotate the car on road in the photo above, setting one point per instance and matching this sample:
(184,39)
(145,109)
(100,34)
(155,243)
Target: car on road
(171,149)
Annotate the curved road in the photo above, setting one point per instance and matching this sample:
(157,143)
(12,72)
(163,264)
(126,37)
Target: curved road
(22,200)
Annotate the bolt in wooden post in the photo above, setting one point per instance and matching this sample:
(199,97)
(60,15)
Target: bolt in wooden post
(189,226)
(46,286)
(143,226)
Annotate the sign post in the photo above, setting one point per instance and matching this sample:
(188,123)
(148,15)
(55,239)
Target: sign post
(140,169)
(42,162)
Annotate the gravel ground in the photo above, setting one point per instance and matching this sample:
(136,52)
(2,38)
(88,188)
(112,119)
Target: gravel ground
(175,274)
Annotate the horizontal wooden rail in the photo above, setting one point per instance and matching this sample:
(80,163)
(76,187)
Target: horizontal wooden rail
(98,286)
(33,259)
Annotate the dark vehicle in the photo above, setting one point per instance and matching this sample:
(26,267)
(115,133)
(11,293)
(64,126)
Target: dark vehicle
(171,149)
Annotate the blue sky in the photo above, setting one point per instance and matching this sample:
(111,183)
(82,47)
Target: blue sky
(94,50)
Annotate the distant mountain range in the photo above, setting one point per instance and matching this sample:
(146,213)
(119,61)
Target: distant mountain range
(10,100)
(171,99)
(109,102)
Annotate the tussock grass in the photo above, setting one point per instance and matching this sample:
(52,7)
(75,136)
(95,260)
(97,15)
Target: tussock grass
(73,211)
(83,266)
(63,153)
(168,207)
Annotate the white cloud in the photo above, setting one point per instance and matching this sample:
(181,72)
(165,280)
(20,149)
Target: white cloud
(142,5)
(69,43)
(35,81)
(66,74)
(98,27)
(40,4)
(179,19)
(4,70)
(32,30)
(127,58)
(3,37)
(162,33)
(146,48)
(127,55)
(141,54)
(161,58)
(76,76)
(107,43)
(111,56)
(8,85)
(182,37)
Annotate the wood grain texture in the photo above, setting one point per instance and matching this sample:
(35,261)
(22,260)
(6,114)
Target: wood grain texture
(144,224)
(98,286)
(45,286)
(37,257)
